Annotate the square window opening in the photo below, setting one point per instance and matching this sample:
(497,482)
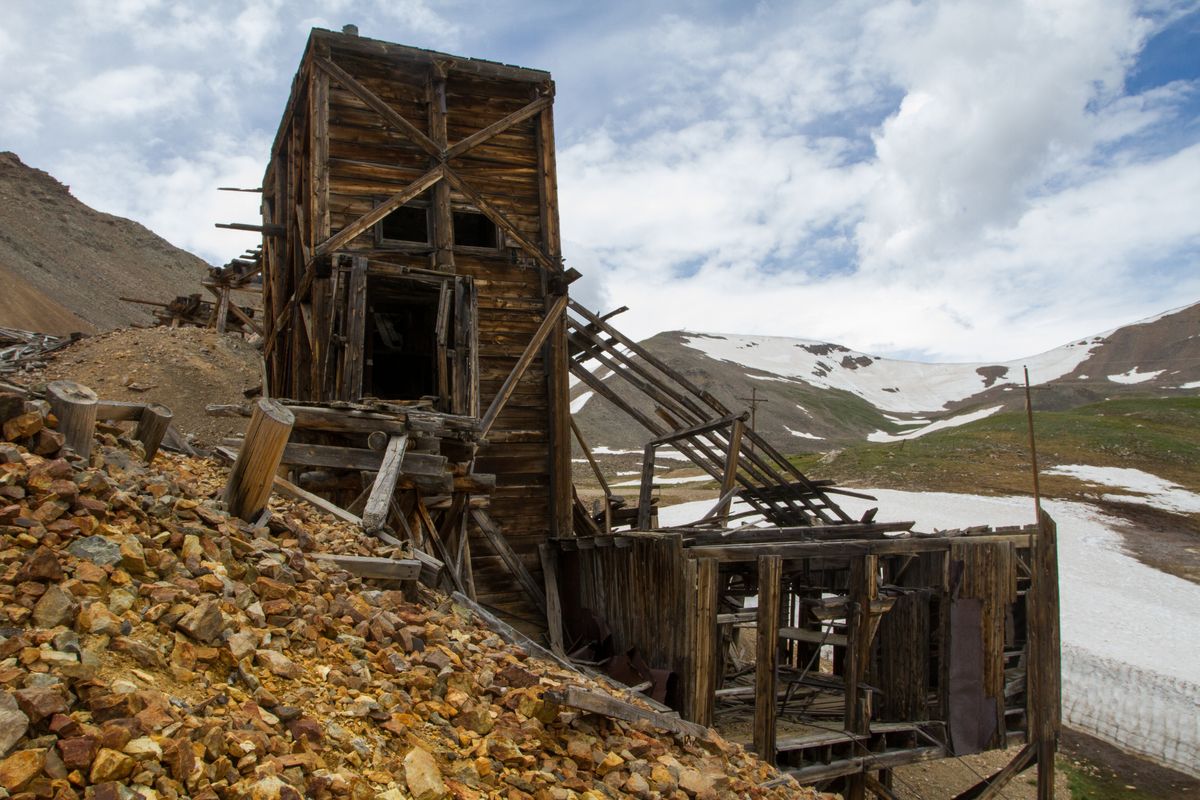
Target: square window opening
(408,224)
(472,229)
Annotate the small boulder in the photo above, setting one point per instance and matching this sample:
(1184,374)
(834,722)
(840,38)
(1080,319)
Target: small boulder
(422,775)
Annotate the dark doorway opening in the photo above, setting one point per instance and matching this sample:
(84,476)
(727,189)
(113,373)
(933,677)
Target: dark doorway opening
(401,339)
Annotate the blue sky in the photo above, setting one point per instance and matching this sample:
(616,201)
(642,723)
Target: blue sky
(937,180)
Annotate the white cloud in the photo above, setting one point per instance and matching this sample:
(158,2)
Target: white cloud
(129,92)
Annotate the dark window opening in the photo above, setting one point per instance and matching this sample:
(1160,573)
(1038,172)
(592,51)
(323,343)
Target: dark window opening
(472,229)
(401,341)
(406,224)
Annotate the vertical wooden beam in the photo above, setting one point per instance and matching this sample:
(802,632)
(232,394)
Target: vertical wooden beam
(75,405)
(863,589)
(646,489)
(554,620)
(223,310)
(702,603)
(253,473)
(731,468)
(380,500)
(442,258)
(356,330)
(1044,673)
(770,571)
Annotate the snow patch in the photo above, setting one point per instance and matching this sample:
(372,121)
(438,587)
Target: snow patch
(579,402)
(1149,489)
(941,424)
(1192,385)
(802,434)
(666,481)
(1133,376)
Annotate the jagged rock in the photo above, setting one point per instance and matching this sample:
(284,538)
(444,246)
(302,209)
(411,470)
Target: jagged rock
(40,702)
(95,618)
(111,765)
(423,777)
(97,549)
(277,663)
(203,623)
(20,768)
(23,426)
(42,565)
(55,608)
(13,722)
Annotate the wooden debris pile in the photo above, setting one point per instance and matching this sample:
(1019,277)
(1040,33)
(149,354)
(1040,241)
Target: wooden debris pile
(22,350)
(152,646)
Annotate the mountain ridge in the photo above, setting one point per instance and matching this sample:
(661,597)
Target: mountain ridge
(819,396)
(64,266)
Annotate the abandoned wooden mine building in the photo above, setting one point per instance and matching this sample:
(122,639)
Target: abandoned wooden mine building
(417,321)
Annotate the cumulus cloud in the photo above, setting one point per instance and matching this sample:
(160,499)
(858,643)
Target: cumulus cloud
(949,179)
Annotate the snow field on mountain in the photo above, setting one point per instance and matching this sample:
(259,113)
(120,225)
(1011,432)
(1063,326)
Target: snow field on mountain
(889,385)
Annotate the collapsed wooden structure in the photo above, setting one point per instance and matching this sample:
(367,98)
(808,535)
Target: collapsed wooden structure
(223,312)
(417,318)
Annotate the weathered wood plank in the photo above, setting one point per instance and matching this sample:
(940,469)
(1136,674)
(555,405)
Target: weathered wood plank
(770,570)
(391,569)
(379,502)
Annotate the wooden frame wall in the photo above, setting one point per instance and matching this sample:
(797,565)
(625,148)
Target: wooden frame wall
(369,119)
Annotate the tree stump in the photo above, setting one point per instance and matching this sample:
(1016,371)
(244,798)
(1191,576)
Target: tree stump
(152,427)
(75,406)
(253,473)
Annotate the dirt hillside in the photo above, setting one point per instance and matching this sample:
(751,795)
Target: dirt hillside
(185,369)
(64,265)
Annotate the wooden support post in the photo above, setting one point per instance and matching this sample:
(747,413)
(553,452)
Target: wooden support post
(1044,672)
(223,309)
(468,571)
(549,557)
(863,589)
(770,571)
(356,330)
(731,468)
(379,502)
(152,427)
(253,474)
(646,489)
(75,405)
(701,576)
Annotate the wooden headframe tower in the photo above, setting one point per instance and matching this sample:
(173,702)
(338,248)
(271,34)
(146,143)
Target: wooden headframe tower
(412,254)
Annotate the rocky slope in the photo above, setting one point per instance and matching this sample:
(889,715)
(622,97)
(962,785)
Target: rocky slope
(153,647)
(820,396)
(64,265)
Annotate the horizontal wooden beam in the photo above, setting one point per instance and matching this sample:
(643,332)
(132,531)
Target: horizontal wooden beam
(390,569)
(597,703)
(896,546)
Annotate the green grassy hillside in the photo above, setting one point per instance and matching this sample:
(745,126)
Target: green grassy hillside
(991,456)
